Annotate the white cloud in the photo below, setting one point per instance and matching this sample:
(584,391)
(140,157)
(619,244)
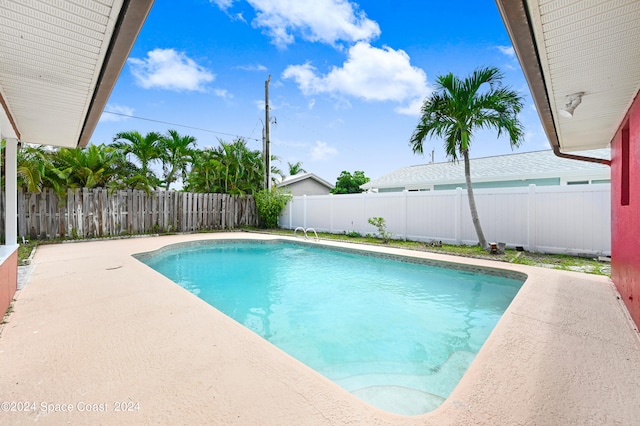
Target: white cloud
(338,122)
(254,67)
(225,5)
(325,21)
(413,108)
(223,93)
(259,103)
(507,50)
(222,4)
(171,70)
(312,103)
(274,105)
(323,151)
(121,113)
(369,73)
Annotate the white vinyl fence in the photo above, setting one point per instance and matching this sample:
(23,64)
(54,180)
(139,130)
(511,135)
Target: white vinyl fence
(572,219)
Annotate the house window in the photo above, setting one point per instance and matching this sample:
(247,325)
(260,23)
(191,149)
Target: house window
(578,182)
(625,167)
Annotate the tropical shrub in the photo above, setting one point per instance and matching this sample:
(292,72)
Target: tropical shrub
(269,204)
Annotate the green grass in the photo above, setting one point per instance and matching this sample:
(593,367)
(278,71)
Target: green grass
(6,314)
(24,251)
(553,261)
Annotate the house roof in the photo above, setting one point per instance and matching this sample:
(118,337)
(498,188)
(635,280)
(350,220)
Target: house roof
(526,165)
(59,62)
(303,176)
(578,46)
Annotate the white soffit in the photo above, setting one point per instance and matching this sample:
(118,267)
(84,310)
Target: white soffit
(590,46)
(51,57)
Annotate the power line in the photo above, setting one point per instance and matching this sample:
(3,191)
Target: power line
(180,125)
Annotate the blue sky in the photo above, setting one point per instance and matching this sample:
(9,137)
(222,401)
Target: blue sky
(347,78)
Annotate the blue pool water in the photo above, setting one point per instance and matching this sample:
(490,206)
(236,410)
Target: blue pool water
(397,334)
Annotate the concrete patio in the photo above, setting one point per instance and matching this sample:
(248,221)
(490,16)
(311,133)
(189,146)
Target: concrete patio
(95,330)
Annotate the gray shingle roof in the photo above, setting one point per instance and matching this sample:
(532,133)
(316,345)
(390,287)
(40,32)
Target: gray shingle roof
(526,165)
(302,176)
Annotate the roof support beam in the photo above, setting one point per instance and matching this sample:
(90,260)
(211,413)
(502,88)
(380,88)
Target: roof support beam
(10,193)
(7,112)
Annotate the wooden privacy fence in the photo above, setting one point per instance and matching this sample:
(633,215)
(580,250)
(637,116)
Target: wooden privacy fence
(97,212)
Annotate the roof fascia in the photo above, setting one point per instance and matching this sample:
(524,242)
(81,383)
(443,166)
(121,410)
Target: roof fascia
(516,18)
(130,20)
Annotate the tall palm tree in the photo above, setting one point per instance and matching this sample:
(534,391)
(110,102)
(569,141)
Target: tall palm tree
(176,154)
(146,149)
(230,168)
(295,168)
(457,108)
(243,168)
(204,171)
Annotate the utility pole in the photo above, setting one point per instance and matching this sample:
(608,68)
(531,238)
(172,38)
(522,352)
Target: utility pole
(267,155)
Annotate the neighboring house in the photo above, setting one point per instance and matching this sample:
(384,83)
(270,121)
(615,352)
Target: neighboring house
(306,184)
(503,171)
(582,65)
(55,81)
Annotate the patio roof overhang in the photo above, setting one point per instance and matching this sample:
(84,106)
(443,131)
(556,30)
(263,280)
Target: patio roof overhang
(59,61)
(574,46)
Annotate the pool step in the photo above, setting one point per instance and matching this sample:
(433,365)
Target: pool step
(399,399)
(387,377)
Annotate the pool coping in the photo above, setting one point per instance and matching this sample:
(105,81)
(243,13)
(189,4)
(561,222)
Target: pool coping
(96,325)
(359,249)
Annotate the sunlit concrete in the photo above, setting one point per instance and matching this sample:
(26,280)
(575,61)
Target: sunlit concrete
(95,328)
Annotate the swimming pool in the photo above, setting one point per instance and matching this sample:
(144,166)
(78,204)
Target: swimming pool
(397,332)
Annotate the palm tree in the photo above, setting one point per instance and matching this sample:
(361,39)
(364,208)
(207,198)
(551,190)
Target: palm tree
(231,168)
(176,154)
(243,168)
(93,166)
(295,168)
(145,149)
(37,171)
(275,170)
(457,108)
(32,163)
(204,171)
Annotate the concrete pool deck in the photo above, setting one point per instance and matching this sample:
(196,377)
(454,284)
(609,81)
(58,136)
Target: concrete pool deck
(95,330)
